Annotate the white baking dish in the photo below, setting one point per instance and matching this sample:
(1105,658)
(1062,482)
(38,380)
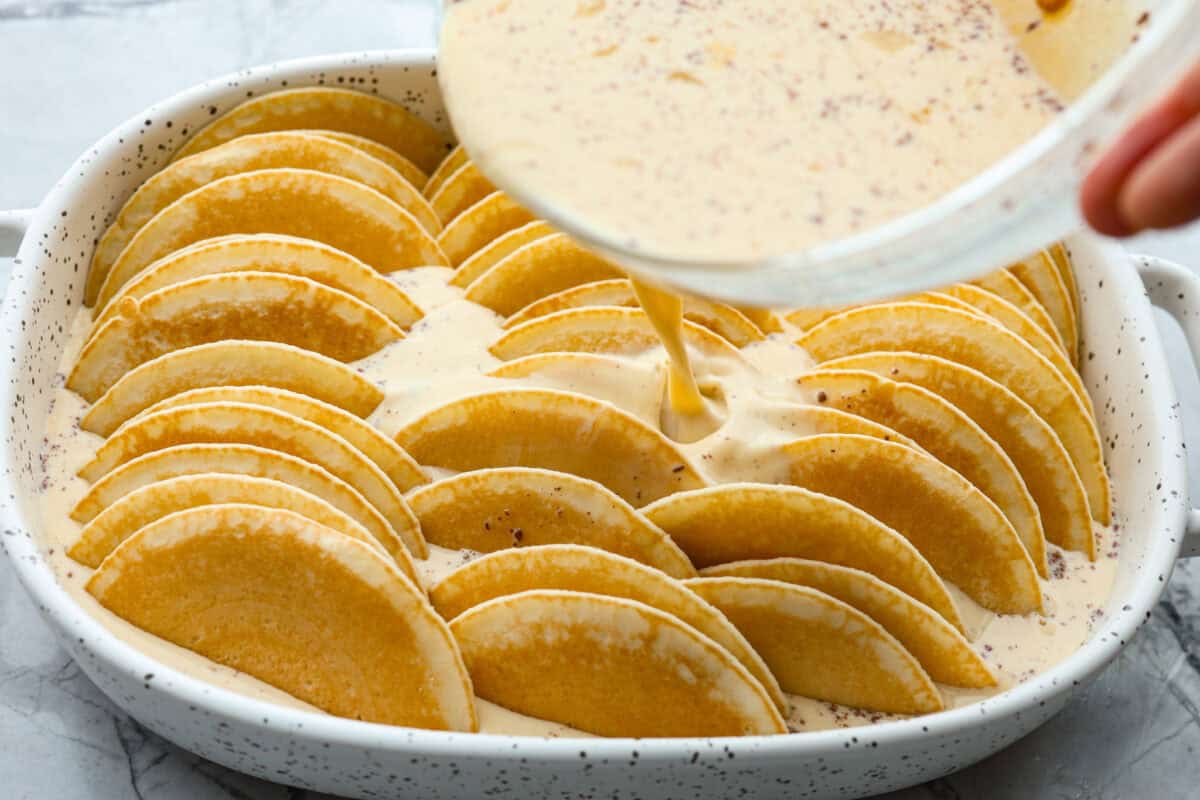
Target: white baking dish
(1124,368)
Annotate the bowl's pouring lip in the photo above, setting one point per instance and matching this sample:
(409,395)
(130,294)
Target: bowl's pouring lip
(81,633)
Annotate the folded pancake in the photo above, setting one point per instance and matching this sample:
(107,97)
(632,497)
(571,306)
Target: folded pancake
(725,321)
(766,320)
(455,159)
(156,500)
(743,521)
(243,459)
(342,110)
(1003,283)
(246,154)
(997,308)
(231,362)
(984,345)
(497,250)
(817,419)
(944,432)
(606,378)
(490,218)
(295,202)
(609,666)
(1000,283)
(563,365)
(387,455)
(297,605)
(938,297)
(586,569)
(600,329)
(1032,445)
(263,306)
(820,647)
(805,318)
(540,268)
(406,168)
(942,651)
(1009,315)
(244,423)
(463,189)
(1043,279)
(554,430)
(266,252)
(956,527)
(1062,262)
(493,509)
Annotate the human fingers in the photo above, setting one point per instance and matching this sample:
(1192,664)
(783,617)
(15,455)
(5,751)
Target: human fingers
(1164,190)
(1103,187)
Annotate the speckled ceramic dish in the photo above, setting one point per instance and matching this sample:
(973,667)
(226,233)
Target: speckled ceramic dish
(1124,368)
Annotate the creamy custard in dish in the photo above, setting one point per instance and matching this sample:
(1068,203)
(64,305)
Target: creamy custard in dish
(404,453)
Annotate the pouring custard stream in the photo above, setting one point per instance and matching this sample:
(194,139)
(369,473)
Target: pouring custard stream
(687,415)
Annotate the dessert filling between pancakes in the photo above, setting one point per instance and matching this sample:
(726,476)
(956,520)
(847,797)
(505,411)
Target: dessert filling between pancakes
(445,356)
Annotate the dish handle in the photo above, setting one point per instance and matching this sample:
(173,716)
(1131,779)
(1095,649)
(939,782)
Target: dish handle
(1176,290)
(13,225)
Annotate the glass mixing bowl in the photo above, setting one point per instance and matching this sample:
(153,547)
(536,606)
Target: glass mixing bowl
(1111,58)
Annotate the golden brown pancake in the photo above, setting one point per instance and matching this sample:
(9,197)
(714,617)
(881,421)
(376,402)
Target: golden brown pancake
(263,306)
(327,108)
(294,149)
(942,651)
(294,202)
(647,660)
(232,362)
(244,423)
(725,321)
(1032,445)
(156,500)
(242,459)
(983,345)
(585,569)
(820,647)
(955,526)
(600,329)
(741,521)
(266,252)
(553,430)
(493,509)
(538,269)
(304,608)
(474,228)
(944,432)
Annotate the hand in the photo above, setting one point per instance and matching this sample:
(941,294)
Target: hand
(1151,177)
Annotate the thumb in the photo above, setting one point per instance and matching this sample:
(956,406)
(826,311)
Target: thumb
(1117,199)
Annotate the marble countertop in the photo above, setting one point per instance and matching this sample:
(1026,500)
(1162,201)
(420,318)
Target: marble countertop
(73,69)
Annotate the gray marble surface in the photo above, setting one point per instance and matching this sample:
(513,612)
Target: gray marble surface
(69,71)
